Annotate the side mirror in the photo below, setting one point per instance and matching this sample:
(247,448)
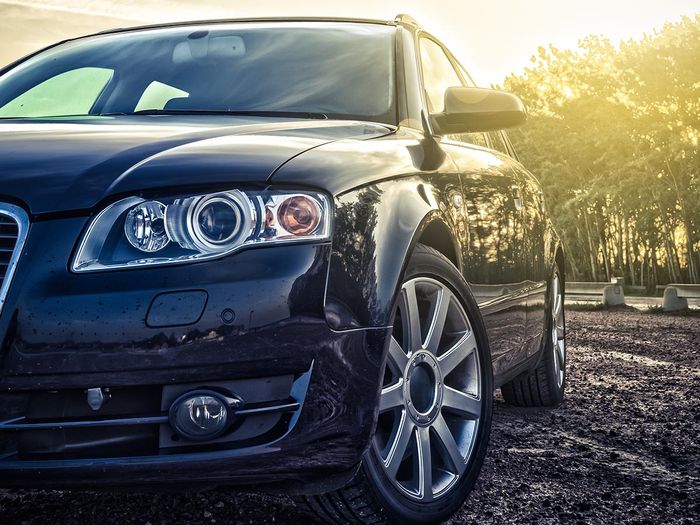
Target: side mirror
(470,110)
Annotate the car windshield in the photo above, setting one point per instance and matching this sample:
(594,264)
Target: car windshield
(321,69)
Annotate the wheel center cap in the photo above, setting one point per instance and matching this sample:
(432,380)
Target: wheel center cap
(423,388)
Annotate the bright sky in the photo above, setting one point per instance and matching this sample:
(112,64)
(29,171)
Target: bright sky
(492,38)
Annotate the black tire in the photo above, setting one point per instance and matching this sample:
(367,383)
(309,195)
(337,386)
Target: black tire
(540,387)
(371,497)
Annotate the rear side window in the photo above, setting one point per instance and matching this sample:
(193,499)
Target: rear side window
(498,142)
(72,92)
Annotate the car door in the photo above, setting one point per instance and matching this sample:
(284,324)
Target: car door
(531,197)
(493,240)
(535,224)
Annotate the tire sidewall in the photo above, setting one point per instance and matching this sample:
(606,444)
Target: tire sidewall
(426,262)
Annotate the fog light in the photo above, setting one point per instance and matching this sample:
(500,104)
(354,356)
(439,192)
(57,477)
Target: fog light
(201,415)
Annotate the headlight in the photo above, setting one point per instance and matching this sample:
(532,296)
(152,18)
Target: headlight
(135,232)
(212,223)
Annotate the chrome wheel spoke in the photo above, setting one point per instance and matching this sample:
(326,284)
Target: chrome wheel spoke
(558,330)
(556,297)
(464,404)
(458,353)
(557,306)
(397,356)
(412,317)
(398,447)
(437,324)
(425,464)
(391,397)
(561,357)
(449,444)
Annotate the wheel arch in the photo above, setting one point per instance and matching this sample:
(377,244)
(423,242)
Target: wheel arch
(560,261)
(554,254)
(372,244)
(436,234)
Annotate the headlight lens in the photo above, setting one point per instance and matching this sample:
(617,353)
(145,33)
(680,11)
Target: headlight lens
(144,227)
(211,223)
(299,215)
(136,232)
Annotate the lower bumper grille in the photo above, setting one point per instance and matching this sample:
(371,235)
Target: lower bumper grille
(50,425)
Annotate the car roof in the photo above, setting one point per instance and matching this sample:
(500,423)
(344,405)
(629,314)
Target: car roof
(400,19)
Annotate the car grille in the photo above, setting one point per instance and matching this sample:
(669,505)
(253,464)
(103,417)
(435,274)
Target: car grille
(9,230)
(13,230)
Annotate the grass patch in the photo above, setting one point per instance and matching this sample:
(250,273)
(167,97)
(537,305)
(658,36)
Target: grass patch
(656,309)
(596,307)
(586,307)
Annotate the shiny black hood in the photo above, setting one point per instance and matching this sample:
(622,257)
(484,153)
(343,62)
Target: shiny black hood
(64,165)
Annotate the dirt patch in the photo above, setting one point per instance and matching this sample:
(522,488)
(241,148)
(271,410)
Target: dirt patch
(623,448)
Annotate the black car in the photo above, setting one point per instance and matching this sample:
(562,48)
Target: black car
(294,254)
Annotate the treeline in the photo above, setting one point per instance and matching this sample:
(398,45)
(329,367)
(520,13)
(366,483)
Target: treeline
(613,135)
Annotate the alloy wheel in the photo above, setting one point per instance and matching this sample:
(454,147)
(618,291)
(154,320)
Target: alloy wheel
(558,334)
(430,404)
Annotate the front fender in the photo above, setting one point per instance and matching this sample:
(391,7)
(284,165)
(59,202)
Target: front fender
(375,229)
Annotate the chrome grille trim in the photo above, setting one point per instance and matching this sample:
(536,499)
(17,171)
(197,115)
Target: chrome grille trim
(21,219)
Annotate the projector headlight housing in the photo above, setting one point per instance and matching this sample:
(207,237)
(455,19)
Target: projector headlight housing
(136,232)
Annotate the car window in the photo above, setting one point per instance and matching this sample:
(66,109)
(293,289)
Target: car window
(438,75)
(72,92)
(157,95)
(478,139)
(509,144)
(342,70)
(498,142)
(496,139)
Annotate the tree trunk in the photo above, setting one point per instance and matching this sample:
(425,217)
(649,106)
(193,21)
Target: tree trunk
(591,250)
(602,242)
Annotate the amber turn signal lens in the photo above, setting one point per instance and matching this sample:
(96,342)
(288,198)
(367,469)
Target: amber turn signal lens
(299,215)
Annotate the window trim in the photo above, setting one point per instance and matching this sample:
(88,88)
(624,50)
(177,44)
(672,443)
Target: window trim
(509,145)
(419,34)
(401,63)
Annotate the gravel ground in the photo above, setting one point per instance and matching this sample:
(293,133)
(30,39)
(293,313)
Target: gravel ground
(623,448)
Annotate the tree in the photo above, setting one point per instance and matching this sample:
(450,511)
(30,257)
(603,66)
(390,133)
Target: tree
(613,136)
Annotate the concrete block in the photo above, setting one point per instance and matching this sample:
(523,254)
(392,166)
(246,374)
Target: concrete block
(613,295)
(672,302)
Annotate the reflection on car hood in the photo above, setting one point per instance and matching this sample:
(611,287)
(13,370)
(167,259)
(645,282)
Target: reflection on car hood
(60,165)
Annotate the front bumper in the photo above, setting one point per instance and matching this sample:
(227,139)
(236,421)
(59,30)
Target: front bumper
(252,322)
